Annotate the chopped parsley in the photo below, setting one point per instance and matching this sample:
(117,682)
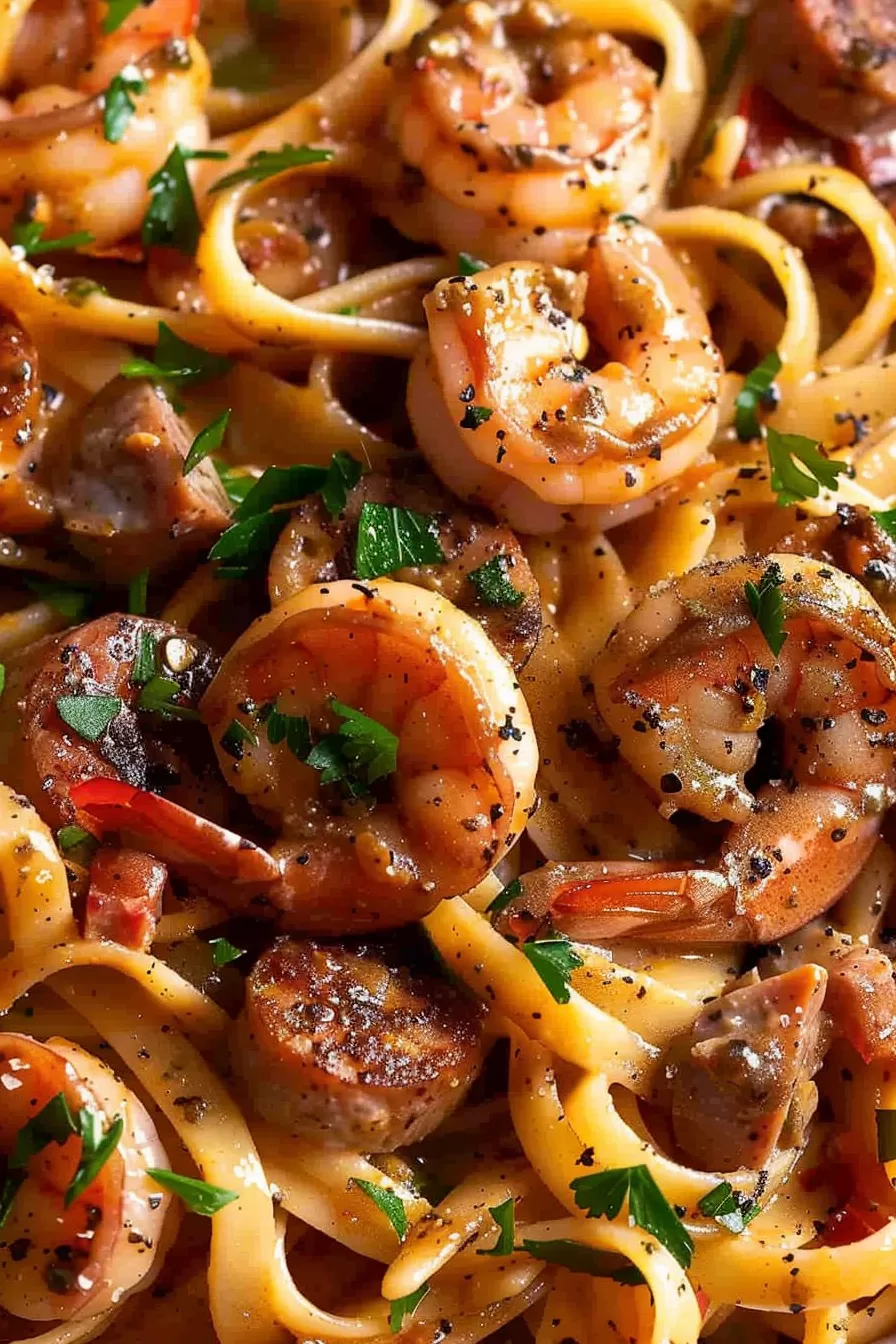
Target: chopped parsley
(293,729)
(207,441)
(77,289)
(886,520)
(224,952)
(97,1146)
(159,696)
(474,416)
(403,1307)
(73,837)
(391,538)
(388,1203)
(602,1195)
(199,1196)
(118,105)
(137,593)
(469,265)
(493,585)
(729,1207)
(70,601)
(28,235)
(56,1124)
(767,606)
(359,753)
(171,218)
(88,715)
(554,959)
(507,894)
(503,1216)
(177,361)
(793,481)
(116,13)
(580,1259)
(144,665)
(757,391)
(268,163)
(343,474)
(235,737)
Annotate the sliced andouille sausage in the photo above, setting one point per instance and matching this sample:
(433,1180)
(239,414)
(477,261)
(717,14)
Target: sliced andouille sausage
(124,899)
(344,1043)
(739,1083)
(831,62)
(316,548)
(43,756)
(119,484)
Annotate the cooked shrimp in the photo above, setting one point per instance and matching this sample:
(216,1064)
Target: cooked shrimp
(346,1043)
(506,412)
(464,764)
(24,505)
(55,157)
(315,547)
(686,682)
(526,125)
(44,757)
(59,1259)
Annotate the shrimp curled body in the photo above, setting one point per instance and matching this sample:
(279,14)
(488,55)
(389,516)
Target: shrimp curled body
(59,1260)
(686,683)
(526,125)
(508,414)
(464,770)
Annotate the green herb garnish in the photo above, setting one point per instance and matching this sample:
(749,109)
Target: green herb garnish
(796,480)
(199,1196)
(96,1149)
(602,1195)
(402,1307)
(493,585)
(580,1259)
(507,894)
(293,729)
(71,602)
(729,1207)
(118,105)
(554,959)
(207,441)
(88,715)
(388,1203)
(224,952)
(391,538)
(178,362)
(171,218)
(474,416)
(359,753)
(267,163)
(503,1216)
(28,235)
(159,696)
(767,606)
(469,265)
(756,392)
(116,13)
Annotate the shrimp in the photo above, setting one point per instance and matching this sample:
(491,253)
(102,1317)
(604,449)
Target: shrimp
(315,547)
(687,682)
(59,1258)
(522,125)
(25,506)
(506,412)
(56,164)
(384,851)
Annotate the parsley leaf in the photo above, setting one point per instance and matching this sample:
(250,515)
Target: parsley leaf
(77,289)
(224,952)
(199,1196)
(390,538)
(96,1149)
(469,265)
(137,589)
(235,737)
(405,1306)
(171,218)
(729,1207)
(281,485)
(118,105)
(28,235)
(493,585)
(89,715)
(507,894)
(358,754)
(503,1216)
(159,696)
(73,837)
(767,606)
(887,521)
(886,1135)
(602,1195)
(791,482)
(756,392)
(144,665)
(582,1259)
(71,602)
(116,13)
(53,1124)
(554,959)
(207,441)
(293,729)
(267,163)
(388,1203)
(177,361)
(343,474)
(474,416)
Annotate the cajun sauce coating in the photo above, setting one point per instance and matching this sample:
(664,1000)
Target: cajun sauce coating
(44,757)
(316,547)
(24,505)
(345,1043)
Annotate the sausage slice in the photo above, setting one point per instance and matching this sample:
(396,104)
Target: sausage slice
(344,1043)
